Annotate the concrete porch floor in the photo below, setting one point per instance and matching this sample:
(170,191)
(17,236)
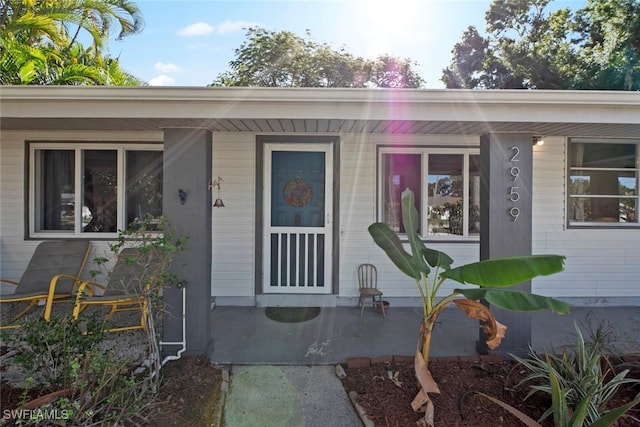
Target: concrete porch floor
(244,335)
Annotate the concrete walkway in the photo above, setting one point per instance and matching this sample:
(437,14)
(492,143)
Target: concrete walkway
(282,374)
(287,396)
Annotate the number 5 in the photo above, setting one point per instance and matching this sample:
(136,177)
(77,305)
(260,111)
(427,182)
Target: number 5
(514,196)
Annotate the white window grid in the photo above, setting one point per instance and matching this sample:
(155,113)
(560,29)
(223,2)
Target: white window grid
(34,185)
(424,152)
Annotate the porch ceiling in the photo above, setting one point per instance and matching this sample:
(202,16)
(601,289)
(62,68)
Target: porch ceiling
(325,111)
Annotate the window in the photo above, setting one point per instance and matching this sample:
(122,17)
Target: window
(446,186)
(112,186)
(603,182)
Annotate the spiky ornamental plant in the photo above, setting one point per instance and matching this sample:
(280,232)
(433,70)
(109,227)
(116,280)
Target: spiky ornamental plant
(492,278)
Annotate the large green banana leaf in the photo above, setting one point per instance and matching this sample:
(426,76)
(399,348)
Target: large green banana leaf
(411,222)
(437,259)
(516,300)
(390,243)
(507,271)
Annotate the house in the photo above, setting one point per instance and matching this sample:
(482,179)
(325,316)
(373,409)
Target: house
(302,173)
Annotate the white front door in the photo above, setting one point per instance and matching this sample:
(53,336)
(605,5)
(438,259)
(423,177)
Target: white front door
(298,203)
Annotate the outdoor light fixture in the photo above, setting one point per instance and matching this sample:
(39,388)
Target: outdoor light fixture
(182,195)
(537,140)
(216,184)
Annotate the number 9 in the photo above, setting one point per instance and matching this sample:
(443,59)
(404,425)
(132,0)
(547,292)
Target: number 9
(515,172)
(515,213)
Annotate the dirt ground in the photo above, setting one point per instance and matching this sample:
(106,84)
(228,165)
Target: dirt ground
(190,394)
(389,405)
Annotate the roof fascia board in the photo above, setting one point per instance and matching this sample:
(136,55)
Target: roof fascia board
(321,103)
(339,95)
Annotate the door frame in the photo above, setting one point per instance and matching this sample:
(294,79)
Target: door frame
(261,141)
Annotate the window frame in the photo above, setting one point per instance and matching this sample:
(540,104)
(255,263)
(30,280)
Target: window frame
(569,169)
(424,152)
(121,148)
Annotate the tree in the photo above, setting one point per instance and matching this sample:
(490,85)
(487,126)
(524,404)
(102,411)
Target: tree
(283,59)
(39,41)
(528,47)
(610,39)
(389,71)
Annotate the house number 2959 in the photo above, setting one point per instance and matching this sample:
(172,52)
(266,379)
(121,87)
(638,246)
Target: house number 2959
(514,173)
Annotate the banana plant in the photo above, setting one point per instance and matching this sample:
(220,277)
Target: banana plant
(492,277)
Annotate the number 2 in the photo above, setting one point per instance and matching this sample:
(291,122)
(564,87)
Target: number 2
(516,153)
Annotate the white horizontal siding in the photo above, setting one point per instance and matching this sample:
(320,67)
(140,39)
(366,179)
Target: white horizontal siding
(600,263)
(358,211)
(14,251)
(548,189)
(233,253)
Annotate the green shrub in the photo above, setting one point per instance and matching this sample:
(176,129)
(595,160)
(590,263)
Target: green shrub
(580,376)
(106,392)
(51,349)
(91,388)
(580,383)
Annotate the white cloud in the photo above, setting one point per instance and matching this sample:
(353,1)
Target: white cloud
(197,29)
(232,26)
(162,80)
(167,68)
(203,29)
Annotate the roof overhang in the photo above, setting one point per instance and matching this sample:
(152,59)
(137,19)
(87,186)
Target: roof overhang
(321,110)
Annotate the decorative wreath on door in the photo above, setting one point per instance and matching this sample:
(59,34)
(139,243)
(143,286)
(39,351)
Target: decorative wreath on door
(297,192)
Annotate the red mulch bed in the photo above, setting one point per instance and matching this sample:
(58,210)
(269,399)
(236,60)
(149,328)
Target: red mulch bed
(389,405)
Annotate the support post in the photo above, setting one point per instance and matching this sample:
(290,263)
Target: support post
(506,162)
(187,202)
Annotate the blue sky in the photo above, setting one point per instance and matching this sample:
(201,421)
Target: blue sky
(190,42)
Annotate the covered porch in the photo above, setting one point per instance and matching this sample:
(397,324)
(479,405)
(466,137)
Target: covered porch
(205,133)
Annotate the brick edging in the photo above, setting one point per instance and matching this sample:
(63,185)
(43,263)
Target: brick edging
(365,362)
